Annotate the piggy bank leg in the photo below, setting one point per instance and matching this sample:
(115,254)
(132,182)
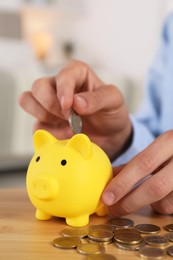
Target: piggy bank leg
(78,221)
(40,215)
(102,210)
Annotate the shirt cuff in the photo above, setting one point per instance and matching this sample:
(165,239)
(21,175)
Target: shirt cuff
(142,137)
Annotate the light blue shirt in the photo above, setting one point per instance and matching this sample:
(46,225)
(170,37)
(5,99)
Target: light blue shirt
(156,113)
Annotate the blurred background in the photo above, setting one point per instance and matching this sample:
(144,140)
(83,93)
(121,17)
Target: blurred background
(117,38)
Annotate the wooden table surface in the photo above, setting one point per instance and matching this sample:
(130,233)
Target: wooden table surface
(24,237)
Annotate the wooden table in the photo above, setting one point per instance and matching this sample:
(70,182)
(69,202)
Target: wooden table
(22,237)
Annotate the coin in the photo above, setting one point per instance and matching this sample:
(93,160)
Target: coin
(104,243)
(128,236)
(89,248)
(151,253)
(147,228)
(169,250)
(121,222)
(75,232)
(66,242)
(107,227)
(100,235)
(156,240)
(170,236)
(169,227)
(75,122)
(101,257)
(130,247)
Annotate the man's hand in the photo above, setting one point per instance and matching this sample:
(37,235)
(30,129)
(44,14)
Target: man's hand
(146,179)
(102,109)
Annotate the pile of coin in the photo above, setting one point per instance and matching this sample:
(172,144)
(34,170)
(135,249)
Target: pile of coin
(143,239)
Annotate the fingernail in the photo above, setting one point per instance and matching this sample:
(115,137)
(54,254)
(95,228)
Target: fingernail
(62,102)
(81,101)
(65,112)
(109,198)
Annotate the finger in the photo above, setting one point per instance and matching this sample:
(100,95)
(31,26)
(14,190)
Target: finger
(106,98)
(44,91)
(75,77)
(117,169)
(139,167)
(153,189)
(165,205)
(31,106)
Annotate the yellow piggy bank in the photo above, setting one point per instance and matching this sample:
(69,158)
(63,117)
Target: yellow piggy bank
(65,178)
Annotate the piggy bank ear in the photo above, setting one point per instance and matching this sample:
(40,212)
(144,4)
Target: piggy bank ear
(42,137)
(82,144)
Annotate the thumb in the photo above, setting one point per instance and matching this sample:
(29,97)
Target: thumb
(108,196)
(106,97)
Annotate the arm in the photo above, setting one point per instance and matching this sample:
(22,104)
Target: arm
(154,116)
(147,178)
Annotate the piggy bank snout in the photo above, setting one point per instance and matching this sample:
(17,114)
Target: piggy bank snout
(44,187)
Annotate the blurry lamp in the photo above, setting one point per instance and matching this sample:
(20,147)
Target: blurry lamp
(42,43)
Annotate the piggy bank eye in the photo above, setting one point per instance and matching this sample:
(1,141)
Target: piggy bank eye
(63,162)
(37,159)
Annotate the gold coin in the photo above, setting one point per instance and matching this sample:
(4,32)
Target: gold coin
(147,228)
(151,253)
(66,242)
(75,122)
(130,247)
(89,248)
(107,227)
(128,236)
(169,250)
(156,240)
(101,257)
(100,235)
(121,222)
(104,243)
(75,232)
(169,227)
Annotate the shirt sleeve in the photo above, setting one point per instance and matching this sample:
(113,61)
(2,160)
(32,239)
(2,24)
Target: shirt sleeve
(148,121)
(142,137)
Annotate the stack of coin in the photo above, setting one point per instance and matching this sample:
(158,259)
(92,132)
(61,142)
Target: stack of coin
(128,239)
(106,226)
(128,236)
(169,227)
(121,223)
(75,232)
(170,236)
(147,228)
(100,236)
(157,241)
(66,242)
(169,251)
(90,249)
(121,232)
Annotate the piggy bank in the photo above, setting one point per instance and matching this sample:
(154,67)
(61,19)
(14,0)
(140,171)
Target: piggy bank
(65,178)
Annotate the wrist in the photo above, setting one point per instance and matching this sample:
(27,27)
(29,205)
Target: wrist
(120,142)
